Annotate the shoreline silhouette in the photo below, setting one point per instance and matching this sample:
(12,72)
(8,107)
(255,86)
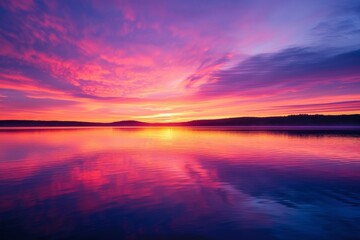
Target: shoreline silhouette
(290,120)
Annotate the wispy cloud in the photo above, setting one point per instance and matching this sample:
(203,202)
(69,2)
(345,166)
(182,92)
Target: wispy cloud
(293,69)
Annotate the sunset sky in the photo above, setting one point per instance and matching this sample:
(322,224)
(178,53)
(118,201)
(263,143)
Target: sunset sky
(177,60)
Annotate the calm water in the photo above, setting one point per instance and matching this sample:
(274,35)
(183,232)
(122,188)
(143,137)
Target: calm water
(176,183)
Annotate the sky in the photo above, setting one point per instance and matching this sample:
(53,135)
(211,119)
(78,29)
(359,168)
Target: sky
(178,60)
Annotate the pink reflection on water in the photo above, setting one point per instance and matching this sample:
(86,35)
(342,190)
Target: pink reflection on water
(155,168)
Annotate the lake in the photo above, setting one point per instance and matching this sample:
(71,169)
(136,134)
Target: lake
(179,183)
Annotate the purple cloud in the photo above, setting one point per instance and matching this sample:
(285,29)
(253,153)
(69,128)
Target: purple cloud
(299,69)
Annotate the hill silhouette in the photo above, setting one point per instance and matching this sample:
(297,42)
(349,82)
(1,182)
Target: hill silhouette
(291,120)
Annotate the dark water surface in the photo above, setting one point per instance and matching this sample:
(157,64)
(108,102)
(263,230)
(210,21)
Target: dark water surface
(177,183)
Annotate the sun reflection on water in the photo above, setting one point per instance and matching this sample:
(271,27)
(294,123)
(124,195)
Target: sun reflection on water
(190,177)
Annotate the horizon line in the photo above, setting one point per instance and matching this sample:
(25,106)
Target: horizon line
(200,119)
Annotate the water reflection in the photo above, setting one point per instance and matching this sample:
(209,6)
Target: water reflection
(177,183)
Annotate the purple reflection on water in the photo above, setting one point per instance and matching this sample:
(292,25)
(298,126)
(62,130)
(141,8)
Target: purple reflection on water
(178,183)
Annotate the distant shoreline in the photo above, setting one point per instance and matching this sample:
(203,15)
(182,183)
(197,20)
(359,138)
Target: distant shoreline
(292,121)
(199,128)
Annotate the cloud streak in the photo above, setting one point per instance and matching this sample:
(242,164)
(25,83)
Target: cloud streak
(293,69)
